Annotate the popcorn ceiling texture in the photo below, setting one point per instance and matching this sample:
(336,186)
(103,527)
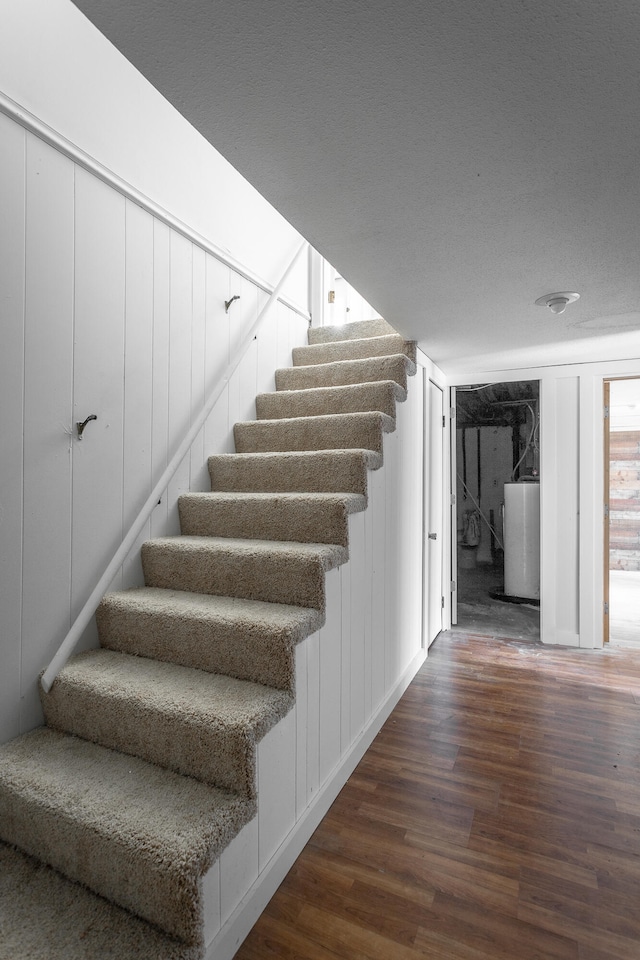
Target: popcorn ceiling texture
(146,769)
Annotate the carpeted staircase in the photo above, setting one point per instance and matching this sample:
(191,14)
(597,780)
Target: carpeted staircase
(146,769)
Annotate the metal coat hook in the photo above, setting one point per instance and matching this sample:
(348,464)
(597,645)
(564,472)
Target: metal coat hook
(228,303)
(81,425)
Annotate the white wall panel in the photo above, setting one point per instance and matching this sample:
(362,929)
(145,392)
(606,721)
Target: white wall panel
(138,378)
(198,466)
(276,786)
(302,683)
(98,374)
(160,384)
(330,644)
(12,254)
(47,414)
(345,657)
(357,567)
(238,868)
(376,511)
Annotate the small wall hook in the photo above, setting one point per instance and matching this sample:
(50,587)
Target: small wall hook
(228,303)
(80,425)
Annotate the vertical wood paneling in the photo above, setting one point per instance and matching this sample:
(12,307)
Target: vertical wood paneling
(211,897)
(217,434)
(180,352)
(47,414)
(345,657)
(160,385)
(313,715)
(330,642)
(276,787)
(392,579)
(98,376)
(267,355)
(356,629)
(567,479)
(248,383)
(138,378)
(238,868)
(302,682)
(198,466)
(367,612)
(12,284)
(377,512)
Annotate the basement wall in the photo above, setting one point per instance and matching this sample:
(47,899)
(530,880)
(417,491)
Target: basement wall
(571,493)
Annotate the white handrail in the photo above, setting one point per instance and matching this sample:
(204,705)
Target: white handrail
(68,645)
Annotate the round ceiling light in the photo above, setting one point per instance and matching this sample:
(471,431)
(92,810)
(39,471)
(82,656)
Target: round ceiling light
(557,302)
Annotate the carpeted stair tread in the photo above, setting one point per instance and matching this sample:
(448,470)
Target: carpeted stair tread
(200,724)
(302,517)
(351,331)
(307,471)
(45,916)
(249,639)
(133,832)
(352,350)
(321,401)
(396,367)
(344,431)
(281,571)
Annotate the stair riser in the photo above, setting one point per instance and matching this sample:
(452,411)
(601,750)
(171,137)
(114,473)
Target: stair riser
(224,758)
(352,331)
(352,350)
(319,475)
(278,579)
(344,373)
(313,433)
(218,648)
(313,403)
(280,520)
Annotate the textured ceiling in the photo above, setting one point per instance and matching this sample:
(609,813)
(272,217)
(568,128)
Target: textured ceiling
(454,159)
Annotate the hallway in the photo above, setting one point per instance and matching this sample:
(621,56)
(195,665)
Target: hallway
(496,815)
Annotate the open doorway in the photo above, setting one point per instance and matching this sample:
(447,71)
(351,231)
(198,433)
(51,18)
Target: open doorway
(622,513)
(497,516)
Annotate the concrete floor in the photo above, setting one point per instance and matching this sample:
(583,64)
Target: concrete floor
(479,613)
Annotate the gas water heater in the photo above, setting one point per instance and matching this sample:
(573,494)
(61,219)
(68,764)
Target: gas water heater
(522,539)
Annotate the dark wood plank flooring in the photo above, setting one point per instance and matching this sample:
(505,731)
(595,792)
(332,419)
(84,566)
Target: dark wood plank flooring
(496,815)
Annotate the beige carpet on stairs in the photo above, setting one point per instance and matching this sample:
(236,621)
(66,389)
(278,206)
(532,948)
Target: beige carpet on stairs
(147,766)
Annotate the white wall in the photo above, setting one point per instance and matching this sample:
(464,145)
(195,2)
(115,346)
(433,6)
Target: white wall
(107,309)
(571,494)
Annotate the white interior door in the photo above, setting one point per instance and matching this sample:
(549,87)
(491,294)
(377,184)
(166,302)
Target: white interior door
(435,513)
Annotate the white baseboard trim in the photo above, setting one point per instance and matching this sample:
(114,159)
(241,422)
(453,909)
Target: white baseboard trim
(229,938)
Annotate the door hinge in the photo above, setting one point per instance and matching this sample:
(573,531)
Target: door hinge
(606,511)
(606,608)
(442,604)
(606,413)
(444,420)
(453,500)
(452,413)
(452,586)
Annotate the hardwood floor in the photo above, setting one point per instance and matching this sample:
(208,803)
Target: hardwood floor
(496,815)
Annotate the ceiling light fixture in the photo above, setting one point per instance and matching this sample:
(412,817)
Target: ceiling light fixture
(557,302)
